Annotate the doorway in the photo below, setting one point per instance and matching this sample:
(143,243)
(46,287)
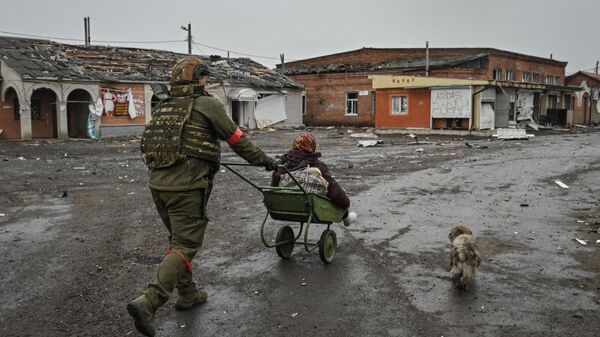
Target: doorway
(78,111)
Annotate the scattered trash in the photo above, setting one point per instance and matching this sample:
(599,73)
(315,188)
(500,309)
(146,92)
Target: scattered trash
(369,143)
(131,193)
(581,241)
(223,171)
(304,284)
(598,242)
(20,158)
(79,168)
(420,150)
(330,128)
(413,136)
(182,326)
(580,221)
(524,205)
(2,214)
(63,194)
(364,135)
(295,314)
(476,146)
(561,184)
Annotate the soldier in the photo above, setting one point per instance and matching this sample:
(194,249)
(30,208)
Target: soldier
(181,148)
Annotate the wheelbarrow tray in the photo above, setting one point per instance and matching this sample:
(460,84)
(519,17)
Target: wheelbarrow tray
(290,205)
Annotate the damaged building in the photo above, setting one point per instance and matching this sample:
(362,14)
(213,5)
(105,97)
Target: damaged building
(49,89)
(587,103)
(453,103)
(339,91)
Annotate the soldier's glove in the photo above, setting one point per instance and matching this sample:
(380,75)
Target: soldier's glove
(271,164)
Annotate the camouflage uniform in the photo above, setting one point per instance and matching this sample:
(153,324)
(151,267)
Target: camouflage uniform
(181,148)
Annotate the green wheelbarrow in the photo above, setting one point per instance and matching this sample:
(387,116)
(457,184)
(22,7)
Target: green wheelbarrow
(294,204)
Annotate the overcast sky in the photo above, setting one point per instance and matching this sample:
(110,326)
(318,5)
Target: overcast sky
(570,30)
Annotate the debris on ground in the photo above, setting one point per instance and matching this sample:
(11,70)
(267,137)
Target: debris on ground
(364,135)
(369,143)
(583,242)
(524,205)
(598,242)
(413,136)
(509,134)
(295,314)
(420,150)
(63,194)
(561,184)
(476,146)
(2,214)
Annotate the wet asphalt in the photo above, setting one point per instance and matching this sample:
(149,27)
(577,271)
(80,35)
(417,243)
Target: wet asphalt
(390,273)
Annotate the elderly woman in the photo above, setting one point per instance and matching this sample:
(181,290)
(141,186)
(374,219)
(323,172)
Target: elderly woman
(302,155)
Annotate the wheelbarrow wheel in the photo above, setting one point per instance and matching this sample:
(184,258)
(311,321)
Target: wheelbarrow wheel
(285,234)
(327,245)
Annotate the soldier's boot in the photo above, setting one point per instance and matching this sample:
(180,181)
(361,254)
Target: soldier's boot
(189,297)
(142,310)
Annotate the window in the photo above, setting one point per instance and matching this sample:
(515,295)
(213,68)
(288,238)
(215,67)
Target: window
(548,79)
(526,77)
(510,75)
(535,78)
(552,80)
(399,105)
(556,80)
(497,75)
(552,102)
(352,103)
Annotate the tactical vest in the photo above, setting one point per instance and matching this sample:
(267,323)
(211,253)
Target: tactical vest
(170,136)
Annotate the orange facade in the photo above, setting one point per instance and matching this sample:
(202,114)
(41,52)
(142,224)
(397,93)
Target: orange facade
(417,114)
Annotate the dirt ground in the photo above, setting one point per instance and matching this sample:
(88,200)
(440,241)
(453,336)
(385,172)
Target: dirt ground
(79,238)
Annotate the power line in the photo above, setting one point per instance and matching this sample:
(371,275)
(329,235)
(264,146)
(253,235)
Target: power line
(235,52)
(82,40)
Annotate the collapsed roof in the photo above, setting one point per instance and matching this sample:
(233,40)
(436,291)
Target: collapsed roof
(399,64)
(37,59)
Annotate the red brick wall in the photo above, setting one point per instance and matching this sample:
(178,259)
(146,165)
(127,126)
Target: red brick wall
(519,66)
(418,116)
(326,99)
(11,127)
(581,113)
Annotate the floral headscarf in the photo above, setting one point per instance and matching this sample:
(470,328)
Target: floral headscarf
(305,142)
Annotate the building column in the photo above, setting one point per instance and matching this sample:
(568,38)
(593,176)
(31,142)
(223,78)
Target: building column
(63,124)
(25,116)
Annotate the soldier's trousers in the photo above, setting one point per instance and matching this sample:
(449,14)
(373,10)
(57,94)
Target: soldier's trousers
(184,215)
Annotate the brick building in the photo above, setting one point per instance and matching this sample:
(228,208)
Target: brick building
(339,92)
(587,104)
(46,89)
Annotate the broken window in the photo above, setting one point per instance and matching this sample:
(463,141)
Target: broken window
(497,74)
(399,105)
(526,77)
(510,75)
(352,103)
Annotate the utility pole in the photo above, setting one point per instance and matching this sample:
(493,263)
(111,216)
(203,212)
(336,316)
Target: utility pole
(189,37)
(597,63)
(282,57)
(426,58)
(86,28)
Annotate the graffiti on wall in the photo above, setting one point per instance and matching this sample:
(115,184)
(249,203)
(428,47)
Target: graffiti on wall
(524,106)
(451,103)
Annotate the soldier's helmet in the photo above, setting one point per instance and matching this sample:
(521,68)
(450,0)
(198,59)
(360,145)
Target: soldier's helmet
(188,70)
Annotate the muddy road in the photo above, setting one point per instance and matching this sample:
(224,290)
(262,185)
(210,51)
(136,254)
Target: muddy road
(79,238)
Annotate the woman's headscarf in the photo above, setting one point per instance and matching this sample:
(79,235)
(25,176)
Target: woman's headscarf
(305,142)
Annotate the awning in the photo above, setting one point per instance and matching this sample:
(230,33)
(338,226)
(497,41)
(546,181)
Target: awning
(246,95)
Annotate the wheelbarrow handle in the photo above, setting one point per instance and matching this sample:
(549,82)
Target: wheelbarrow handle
(228,165)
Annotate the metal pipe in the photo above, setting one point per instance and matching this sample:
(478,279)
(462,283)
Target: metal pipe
(426,58)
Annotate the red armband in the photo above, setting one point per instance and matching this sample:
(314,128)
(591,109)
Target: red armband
(235,136)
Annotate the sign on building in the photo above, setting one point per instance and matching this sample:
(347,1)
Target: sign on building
(451,103)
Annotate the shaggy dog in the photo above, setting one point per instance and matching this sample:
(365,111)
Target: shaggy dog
(464,256)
